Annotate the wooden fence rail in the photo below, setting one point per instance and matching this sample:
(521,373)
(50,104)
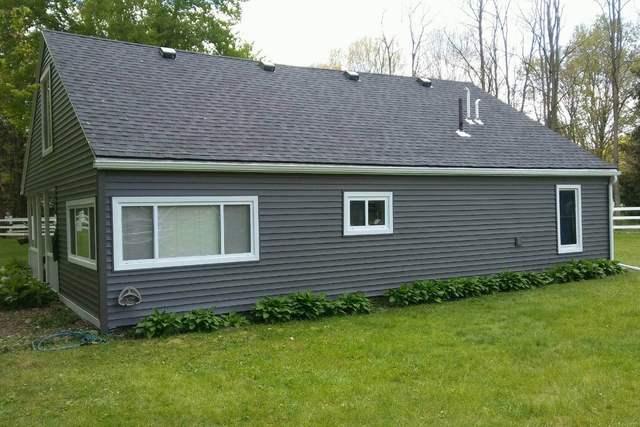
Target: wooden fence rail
(624,219)
(19,227)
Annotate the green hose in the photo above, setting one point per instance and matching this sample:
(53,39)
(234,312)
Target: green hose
(79,338)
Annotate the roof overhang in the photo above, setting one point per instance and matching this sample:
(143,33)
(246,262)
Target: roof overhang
(331,169)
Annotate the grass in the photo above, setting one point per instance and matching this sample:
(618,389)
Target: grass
(11,249)
(561,355)
(628,247)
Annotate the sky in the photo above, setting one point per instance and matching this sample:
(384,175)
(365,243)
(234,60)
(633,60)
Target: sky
(302,32)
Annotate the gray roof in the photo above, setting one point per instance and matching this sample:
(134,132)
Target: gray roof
(132,103)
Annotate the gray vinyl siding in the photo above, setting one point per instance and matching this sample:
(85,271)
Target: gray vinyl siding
(443,227)
(69,172)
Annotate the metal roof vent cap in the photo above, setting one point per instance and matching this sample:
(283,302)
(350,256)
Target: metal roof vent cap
(267,66)
(167,52)
(352,75)
(424,81)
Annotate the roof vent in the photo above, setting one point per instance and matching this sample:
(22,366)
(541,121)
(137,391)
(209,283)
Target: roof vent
(352,75)
(460,131)
(268,66)
(424,81)
(168,52)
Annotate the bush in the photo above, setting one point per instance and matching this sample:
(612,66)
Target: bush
(233,320)
(18,289)
(159,323)
(308,306)
(274,309)
(435,291)
(356,303)
(200,321)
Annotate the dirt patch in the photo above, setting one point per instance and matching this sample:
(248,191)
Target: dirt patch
(18,328)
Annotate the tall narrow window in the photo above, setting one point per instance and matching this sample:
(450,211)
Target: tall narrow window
(45,112)
(569,218)
(81,232)
(368,213)
(152,232)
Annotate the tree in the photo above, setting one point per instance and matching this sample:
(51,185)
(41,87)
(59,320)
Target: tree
(545,26)
(200,25)
(612,10)
(630,179)
(418,25)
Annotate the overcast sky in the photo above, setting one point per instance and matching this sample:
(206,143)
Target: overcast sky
(302,32)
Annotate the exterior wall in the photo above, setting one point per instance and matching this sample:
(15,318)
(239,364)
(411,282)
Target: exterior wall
(443,227)
(68,172)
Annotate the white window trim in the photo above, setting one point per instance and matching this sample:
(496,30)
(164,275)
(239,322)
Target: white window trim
(120,264)
(46,75)
(576,248)
(361,230)
(75,259)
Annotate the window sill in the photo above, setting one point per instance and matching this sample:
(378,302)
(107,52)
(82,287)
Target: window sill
(569,250)
(367,231)
(183,262)
(83,262)
(47,151)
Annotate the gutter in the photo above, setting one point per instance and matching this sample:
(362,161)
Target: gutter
(332,169)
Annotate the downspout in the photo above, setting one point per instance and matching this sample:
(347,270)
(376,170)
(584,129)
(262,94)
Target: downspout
(612,252)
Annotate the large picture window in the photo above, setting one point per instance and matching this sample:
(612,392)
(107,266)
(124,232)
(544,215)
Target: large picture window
(569,218)
(368,213)
(45,112)
(152,232)
(81,232)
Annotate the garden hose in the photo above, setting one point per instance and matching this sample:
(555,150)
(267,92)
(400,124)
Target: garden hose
(79,338)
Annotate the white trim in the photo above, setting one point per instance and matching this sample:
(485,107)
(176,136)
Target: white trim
(577,247)
(366,196)
(81,312)
(89,202)
(328,169)
(46,74)
(119,263)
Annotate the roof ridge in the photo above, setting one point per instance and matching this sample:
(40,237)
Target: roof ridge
(256,61)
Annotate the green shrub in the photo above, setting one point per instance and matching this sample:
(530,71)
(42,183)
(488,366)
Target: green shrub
(233,320)
(308,306)
(435,291)
(159,323)
(200,321)
(356,303)
(18,289)
(274,309)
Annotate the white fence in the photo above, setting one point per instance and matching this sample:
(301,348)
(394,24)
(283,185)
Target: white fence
(14,227)
(19,227)
(624,219)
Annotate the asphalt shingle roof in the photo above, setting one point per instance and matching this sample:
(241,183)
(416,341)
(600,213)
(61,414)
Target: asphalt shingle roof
(132,103)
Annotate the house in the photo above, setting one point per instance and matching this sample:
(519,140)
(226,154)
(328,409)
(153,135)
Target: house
(181,180)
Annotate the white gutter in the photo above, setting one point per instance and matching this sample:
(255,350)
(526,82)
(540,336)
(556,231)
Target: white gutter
(331,169)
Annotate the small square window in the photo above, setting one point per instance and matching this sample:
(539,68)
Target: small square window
(368,213)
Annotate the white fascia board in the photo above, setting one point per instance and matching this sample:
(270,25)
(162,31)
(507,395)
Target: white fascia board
(331,169)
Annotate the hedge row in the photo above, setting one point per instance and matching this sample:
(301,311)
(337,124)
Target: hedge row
(435,291)
(309,306)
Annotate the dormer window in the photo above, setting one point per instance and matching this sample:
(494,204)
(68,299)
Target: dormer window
(45,112)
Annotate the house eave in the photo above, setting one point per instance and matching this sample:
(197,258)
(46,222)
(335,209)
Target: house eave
(331,169)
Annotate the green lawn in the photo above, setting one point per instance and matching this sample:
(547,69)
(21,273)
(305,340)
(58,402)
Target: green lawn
(11,249)
(628,247)
(562,355)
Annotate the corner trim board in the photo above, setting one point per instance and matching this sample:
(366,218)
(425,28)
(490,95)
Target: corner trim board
(84,314)
(331,169)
